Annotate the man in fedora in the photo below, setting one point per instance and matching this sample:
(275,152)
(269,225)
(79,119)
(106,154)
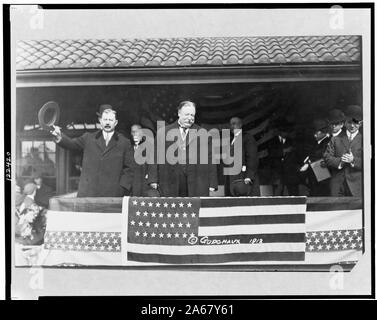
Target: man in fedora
(245,183)
(344,155)
(313,151)
(336,120)
(107,157)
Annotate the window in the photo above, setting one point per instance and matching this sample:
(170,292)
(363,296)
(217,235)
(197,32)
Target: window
(37,157)
(74,165)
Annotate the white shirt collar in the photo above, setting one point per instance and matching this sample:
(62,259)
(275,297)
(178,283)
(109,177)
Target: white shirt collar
(351,136)
(281,139)
(336,134)
(107,134)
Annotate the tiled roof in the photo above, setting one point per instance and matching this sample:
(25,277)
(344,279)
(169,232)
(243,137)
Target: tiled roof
(186,52)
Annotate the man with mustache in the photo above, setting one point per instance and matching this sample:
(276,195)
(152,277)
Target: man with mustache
(188,177)
(107,158)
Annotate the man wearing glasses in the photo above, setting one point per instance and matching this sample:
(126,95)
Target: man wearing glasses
(344,155)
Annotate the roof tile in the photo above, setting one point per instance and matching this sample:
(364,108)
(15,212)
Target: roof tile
(186,61)
(141,62)
(262,59)
(248,59)
(155,62)
(200,61)
(217,60)
(186,52)
(95,63)
(233,59)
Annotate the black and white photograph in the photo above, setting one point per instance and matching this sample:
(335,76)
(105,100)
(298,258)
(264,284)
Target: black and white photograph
(198,150)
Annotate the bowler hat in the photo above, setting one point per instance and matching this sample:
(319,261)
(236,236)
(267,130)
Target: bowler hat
(29,188)
(104,107)
(239,188)
(320,125)
(48,115)
(354,112)
(335,115)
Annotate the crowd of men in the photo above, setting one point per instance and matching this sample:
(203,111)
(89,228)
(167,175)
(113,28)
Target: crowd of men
(330,164)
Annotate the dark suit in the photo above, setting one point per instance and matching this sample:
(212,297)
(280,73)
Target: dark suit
(43,195)
(249,160)
(144,174)
(315,151)
(192,180)
(106,170)
(284,165)
(346,181)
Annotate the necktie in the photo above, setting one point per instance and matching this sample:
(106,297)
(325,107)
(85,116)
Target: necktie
(184,133)
(107,139)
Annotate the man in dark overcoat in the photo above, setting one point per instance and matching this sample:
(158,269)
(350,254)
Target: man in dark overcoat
(250,159)
(313,151)
(187,176)
(284,162)
(344,155)
(107,158)
(145,174)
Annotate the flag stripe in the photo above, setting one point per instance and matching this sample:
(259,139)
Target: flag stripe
(217,258)
(209,202)
(334,204)
(342,220)
(215,249)
(252,210)
(265,238)
(332,257)
(248,220)
(247,264)
(84,221)
(100,205)
(251,229)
